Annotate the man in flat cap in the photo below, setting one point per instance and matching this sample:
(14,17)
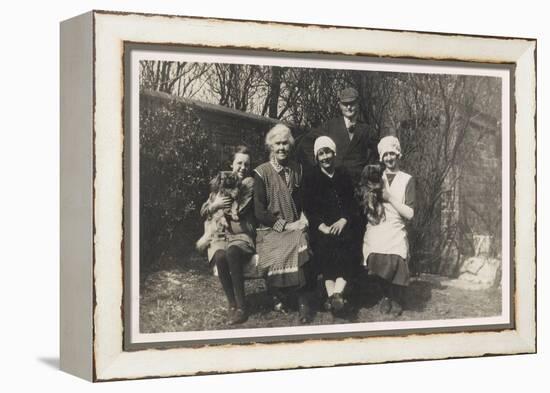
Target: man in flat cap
(355,143)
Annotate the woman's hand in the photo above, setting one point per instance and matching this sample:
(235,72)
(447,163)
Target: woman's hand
(220,202)
(324,228)
(404,210)
(337,228)
(291,226)
(296,225)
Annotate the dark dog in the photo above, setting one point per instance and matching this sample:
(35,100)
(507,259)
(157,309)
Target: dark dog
(370,193)
(225,184)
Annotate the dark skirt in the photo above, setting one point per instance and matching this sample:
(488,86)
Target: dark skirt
(335,256)
(222,241)
(390,267)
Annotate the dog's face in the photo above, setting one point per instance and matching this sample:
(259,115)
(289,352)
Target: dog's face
(371,189)
(227,183)
(229,180)
(372,174)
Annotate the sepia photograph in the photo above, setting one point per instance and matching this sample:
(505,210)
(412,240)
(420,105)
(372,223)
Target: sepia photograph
(278,197)
(247,196)
(135,149)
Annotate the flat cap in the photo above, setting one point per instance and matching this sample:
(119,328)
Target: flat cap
(349,94)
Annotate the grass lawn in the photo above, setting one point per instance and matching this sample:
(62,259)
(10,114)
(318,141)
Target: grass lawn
(190,298)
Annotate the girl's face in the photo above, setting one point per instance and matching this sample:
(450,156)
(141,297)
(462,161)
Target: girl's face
(325,158)
(280,147)
(241,165)
(390,160)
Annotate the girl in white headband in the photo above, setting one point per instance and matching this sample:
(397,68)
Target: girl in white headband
(330,207)
(385,245)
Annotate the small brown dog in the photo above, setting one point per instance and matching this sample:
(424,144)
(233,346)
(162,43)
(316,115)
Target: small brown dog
(370,193)
(225,184)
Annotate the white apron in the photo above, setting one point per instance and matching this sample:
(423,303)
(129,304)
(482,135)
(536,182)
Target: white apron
(390,235)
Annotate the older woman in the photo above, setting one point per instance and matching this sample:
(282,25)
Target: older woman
(281,240)
(231,249)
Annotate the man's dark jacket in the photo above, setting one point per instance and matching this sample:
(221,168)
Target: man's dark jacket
(351,155)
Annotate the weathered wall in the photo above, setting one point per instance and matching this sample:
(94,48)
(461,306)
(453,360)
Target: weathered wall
(229,127)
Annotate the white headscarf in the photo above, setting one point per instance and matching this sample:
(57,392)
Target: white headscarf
(389,144)
(321,142)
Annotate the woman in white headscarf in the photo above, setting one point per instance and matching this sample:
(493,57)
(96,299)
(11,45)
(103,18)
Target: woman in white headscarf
(385,245)
(331,211)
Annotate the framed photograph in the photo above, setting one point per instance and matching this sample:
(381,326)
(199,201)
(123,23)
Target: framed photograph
(242,195)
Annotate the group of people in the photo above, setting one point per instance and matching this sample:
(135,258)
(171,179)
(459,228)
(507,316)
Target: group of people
(303,215)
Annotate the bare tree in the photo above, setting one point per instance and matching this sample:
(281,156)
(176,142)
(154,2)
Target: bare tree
(235,85)
(437,113)
(179,78)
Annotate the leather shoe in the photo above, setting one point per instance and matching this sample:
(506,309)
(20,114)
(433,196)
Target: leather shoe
(304,313)
(385,305)
(396,309)
(327,305)
(238,317)
(337,302)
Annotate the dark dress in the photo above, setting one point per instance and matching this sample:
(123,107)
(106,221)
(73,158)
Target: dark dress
(351,155)
(326,200)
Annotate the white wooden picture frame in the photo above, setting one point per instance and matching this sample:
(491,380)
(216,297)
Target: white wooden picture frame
(96,238)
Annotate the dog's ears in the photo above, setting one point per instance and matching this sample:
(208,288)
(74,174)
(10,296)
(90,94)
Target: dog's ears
(215,183)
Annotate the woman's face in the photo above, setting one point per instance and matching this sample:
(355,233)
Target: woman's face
(241,164)
(325,158)
(390,160)
(280,147)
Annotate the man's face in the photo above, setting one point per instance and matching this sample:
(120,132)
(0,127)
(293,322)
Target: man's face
(349,109)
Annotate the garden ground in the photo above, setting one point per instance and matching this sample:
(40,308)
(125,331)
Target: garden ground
(190,298)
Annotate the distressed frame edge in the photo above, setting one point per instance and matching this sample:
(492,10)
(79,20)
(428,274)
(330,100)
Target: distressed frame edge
(525,334)
(76,196)
(525,202)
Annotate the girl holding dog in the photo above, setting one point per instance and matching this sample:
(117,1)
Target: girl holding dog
(229,250)
(385,245)
(331,209)
(281,237)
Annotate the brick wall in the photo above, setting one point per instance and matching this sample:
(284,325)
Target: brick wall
(230,127)
(480,194)
(473,205)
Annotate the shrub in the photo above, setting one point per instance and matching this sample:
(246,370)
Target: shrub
(177,159)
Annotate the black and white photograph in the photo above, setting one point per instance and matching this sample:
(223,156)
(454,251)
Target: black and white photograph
(283,196)
(248,196)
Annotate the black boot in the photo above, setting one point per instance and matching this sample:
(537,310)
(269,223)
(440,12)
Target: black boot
(304,309)
(239,316)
